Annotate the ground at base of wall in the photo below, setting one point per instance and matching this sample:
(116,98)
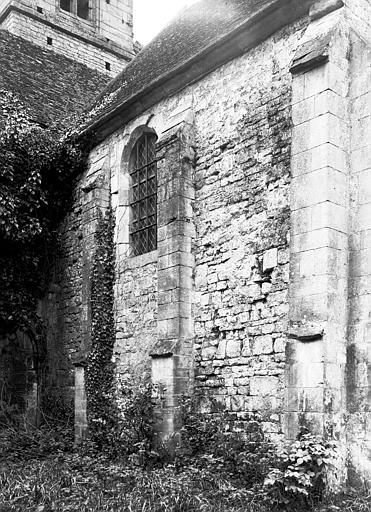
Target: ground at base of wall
(71,482)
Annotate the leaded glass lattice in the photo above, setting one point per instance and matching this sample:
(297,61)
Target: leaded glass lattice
(143,196)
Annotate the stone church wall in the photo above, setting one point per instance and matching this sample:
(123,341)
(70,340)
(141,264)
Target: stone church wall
(66,309)
(240,116)
(245,155)
(231,304)
(327,356)
(242,176)
(234,292)
(358,377)
(241,253)
(136,315)
(63,305)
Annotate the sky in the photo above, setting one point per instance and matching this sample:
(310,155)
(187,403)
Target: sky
(150,16)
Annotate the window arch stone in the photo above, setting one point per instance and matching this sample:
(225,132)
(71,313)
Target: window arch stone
(143,195)
(138,191)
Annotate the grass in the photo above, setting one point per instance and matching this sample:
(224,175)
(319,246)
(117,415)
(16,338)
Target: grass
(75,483)
(41,472)
(71,482)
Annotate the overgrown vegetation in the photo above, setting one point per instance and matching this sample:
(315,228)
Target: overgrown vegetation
(37,170)
(87,485)
(301,473)
(21,439)
(220,442)
(223,465)
(119,414)
(99,372)
(124,429)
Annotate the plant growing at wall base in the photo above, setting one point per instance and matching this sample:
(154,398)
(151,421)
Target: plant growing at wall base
(300,478)
(222,443)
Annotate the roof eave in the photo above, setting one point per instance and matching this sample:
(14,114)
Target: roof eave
(262,25)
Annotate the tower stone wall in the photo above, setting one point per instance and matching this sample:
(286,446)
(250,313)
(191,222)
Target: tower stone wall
(103,41)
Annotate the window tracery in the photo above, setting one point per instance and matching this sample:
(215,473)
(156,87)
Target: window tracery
(143,195)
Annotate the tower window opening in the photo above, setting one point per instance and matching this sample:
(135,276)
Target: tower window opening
(66,5)
(78,7)
(83,9)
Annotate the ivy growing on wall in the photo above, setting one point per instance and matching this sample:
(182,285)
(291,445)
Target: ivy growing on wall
(99,371)
(119,414)
(37,171)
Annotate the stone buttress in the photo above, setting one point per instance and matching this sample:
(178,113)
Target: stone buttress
(172,356)
(327,356)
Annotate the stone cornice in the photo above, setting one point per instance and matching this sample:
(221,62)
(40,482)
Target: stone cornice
(311,54)
(269,20)
(314,51)
(322,7)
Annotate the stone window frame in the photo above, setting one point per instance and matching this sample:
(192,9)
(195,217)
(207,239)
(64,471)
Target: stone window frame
(143,195)
(74,10)
(125,183)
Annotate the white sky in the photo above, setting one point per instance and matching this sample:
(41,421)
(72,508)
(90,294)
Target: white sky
(150,16)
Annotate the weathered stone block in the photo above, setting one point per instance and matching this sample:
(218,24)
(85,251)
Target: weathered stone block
(262,345)
(324,237)
(364,185)
(80,404)
(318,186)
(233,348)
(221,352)
(270,259)
(237,403)
(262,386)
(317,158)
(323,215)
(324,129)
(208,353)
(360,159)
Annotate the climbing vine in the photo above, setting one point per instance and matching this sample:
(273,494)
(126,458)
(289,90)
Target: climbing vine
(120,414)
(99,371)
(38,166)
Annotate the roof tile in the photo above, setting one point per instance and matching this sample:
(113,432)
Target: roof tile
(192,32)
(51,85)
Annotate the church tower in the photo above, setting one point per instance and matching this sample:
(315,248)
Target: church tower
(98,33)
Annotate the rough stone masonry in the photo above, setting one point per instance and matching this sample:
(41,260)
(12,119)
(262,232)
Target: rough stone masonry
(258,293)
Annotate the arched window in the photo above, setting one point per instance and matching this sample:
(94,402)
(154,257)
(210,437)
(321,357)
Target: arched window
(143,195)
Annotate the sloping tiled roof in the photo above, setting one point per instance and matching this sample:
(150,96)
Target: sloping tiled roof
(50,85)
(197,29)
